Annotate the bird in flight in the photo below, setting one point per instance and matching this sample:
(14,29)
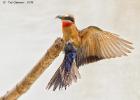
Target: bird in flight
(85,46)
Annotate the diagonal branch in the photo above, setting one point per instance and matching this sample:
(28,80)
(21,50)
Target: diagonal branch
(25,84)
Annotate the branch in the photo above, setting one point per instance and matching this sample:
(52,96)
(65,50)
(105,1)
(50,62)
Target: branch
(23,86)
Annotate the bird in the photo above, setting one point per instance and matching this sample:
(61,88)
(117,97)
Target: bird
(85,46)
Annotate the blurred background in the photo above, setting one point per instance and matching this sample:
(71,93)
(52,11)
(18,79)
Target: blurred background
(28,30)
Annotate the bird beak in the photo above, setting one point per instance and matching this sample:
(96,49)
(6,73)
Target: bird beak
(59,17)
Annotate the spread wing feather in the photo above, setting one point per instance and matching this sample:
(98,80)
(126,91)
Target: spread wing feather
(97,44)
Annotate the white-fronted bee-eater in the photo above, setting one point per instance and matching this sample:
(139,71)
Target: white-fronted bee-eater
(85,46)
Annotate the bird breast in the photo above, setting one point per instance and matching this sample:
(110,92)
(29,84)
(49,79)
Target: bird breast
(71,34)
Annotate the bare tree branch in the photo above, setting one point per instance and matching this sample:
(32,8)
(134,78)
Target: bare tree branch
(25,84)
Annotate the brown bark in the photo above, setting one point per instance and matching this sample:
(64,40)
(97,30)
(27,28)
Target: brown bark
(34,74)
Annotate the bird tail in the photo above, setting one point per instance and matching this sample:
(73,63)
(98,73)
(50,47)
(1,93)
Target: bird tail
(63,78)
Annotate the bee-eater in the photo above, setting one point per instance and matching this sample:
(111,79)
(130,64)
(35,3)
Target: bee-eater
(85,46)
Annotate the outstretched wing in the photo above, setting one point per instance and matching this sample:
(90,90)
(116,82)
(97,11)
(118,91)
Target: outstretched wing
(97,44)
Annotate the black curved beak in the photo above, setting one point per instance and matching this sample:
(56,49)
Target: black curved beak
(59,17)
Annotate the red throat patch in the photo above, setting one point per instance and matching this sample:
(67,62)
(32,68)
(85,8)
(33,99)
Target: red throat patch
(66,23)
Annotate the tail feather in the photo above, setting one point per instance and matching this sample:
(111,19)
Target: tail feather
(63,78)
(55,80)
(67,72)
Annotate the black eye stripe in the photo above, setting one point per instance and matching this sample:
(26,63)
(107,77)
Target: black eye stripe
(70,18)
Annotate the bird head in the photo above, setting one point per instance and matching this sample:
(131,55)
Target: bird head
(67,20)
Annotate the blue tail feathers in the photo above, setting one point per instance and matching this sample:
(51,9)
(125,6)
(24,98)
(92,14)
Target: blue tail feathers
(70,54)
(67,72)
